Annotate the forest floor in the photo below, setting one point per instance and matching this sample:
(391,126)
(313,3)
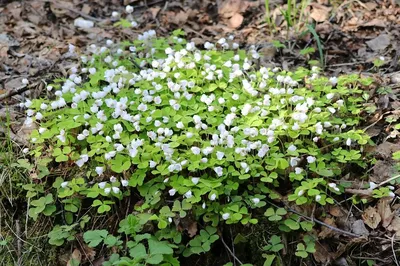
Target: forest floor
(346,37)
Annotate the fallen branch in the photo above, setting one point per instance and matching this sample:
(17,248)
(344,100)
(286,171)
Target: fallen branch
(316,221)
(230,251)
(11,93)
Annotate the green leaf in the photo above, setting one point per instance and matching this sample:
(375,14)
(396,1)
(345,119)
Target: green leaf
(138,252)
(155,259)
(94,237)
(157,247)
(269,259)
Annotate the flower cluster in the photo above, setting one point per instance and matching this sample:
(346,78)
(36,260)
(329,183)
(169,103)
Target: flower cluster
(198,124)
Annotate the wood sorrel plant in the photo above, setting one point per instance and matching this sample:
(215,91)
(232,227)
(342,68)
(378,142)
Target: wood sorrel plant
(201,134)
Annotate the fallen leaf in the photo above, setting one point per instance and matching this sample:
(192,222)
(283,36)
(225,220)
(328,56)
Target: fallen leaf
(235,21)
(386,150)
(375,23)
(192,229)
(371,217)
(325,231)
(319,12)
(358,227)
(395,226)
(75,258)
(382,170)
(228,8)
(336,211)
(379,43)
(322,253)
(384,211)
(154,11)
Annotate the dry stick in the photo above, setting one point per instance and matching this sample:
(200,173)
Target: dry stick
(11,93)
(230,251)
(317,221)
(394,253)
(387,181)
(19,245)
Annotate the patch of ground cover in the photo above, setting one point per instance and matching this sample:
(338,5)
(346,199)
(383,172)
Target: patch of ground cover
(385,103)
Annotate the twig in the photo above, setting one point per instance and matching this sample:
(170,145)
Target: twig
(11,93)
(379,119)
(394,253)
(317,221)
(230,251)
(387,181)
(19,245)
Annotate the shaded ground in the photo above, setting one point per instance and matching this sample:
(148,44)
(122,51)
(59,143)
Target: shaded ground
(34,39)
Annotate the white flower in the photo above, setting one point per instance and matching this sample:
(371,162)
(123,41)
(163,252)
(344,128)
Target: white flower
(226,216)
(195,180)
(172,192)
(391,194)
(116,190)
(333,80)
(255,200)
(107,190)
(213,196)
(298,170)
(102,185)
(113,179)
(25,150)
(152,164)
(300,193)
(235,97)
(115,14)
(372,185)
(109,155)
(311,159)
(348,142)
(218,170)
(292,148)
(99,170)
(129,9)
(180,125)
(188,194)
(64,184)
(42,130)
(317,197)
(195,150)
(331,109)
(25,81)
(220,155)
(203,205)
(330,95)
(124,182)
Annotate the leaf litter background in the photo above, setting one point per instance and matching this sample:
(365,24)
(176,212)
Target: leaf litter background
(34,38)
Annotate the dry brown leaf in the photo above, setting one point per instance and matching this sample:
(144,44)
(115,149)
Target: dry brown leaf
(384,211)
(375,23)
(322,253)
(179,18)
(228,8)
(325,231)
(319,12)
(395,226)
(75,258)
(154,11)
(192,229)
(371,217)
(336,211)
(235,21)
